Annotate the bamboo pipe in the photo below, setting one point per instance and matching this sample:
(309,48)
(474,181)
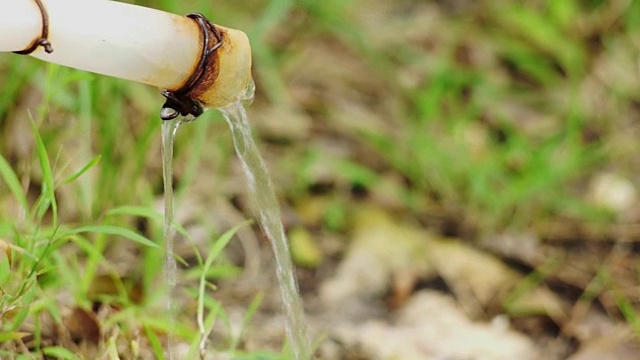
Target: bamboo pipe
(130,42)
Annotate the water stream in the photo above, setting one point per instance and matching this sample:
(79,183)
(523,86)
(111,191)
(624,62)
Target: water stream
(265,203)
(169,129)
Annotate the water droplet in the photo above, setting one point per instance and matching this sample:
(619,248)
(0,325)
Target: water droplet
(249,93)
(167,113)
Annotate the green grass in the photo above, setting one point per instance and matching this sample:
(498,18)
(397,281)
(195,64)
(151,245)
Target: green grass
(38,267)
(482,120)
(94,139)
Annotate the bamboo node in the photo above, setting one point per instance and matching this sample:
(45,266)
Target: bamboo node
(184,100)
(42,40)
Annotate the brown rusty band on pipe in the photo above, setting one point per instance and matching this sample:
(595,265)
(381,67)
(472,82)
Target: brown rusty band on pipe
(42,40)
(184,101)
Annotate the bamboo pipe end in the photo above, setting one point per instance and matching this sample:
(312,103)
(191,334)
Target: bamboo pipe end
(219,78)
(232,67)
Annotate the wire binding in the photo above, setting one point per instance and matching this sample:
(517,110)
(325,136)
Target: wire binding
(42,40)
(179,102)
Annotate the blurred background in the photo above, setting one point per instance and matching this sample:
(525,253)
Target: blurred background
(458,179)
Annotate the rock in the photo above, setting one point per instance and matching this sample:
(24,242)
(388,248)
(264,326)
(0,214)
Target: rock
(384,250)
(620,344)
(476,277)
(379,249)
(431,327)
(613,192)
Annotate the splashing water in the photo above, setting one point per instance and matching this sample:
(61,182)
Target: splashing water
(264,201)
(169,129)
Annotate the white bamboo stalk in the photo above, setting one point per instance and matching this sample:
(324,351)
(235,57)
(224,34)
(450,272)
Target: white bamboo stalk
(20,22)
(126,41)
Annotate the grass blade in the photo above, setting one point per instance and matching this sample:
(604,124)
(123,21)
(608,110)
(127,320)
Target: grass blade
(48,189)
(140,211)
(213,254)
(155,343)
(251,311)
(220,244)
(12,181)
(12,335)
(112,230)
(83,170)
(146,212)
(60,353)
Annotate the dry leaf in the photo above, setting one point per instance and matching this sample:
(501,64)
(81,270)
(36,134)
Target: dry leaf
(110,284)
(83,325)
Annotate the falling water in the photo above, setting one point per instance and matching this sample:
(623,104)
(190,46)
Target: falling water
(263,199)
(169,129)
